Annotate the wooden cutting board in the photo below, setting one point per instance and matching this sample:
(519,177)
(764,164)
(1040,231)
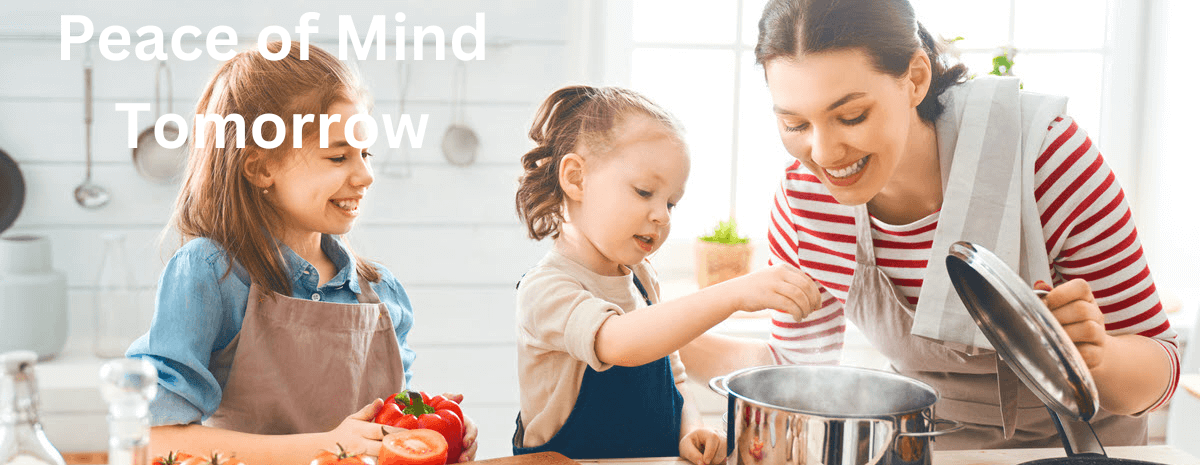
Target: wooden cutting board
(540,458)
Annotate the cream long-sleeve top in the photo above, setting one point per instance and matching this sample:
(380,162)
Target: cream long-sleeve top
(561,305)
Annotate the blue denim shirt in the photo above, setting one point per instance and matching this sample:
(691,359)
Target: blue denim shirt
(199,310)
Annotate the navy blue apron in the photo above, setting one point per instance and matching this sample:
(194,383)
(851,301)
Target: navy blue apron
(621,412)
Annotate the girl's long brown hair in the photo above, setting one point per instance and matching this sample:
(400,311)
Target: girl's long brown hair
(217,200)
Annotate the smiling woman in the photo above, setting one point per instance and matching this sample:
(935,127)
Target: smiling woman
(897,157)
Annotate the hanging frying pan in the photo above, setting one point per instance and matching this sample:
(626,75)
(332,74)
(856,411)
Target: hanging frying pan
(1028,337)
(12,191)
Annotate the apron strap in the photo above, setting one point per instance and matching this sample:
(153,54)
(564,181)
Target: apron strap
(638,283)
(368,295)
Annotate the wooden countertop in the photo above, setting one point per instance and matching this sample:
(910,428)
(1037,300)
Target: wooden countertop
(1161,454)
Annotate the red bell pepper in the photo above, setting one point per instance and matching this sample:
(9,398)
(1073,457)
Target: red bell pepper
(416,410)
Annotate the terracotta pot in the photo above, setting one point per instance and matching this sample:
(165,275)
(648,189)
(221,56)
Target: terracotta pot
(719,262)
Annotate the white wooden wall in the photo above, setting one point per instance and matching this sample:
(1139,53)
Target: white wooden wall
(448,233)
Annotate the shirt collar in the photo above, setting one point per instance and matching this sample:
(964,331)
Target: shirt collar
(303,272)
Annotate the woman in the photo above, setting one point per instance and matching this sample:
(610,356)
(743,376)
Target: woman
(899,156)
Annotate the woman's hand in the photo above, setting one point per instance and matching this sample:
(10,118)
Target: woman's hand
(703,446)
(357,433)
(1075,309)
(470,432)
(780,287)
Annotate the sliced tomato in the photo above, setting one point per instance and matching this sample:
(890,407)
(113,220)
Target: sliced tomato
(413,447)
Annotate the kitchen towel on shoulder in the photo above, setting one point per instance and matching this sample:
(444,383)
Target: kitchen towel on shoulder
(987,185)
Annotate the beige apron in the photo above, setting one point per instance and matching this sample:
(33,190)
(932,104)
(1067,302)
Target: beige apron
(969,385)
(302,366)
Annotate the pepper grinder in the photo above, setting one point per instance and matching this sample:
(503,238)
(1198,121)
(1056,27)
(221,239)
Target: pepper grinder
(128,385)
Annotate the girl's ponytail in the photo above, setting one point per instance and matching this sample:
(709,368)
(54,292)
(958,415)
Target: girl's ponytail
(556,130)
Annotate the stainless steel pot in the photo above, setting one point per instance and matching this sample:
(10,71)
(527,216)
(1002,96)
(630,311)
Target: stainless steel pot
(828,415)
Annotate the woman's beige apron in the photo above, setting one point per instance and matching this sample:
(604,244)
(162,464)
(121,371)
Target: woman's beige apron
(303,366)
(971,389)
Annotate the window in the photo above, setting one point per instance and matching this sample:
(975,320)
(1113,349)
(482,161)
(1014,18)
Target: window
(699,65)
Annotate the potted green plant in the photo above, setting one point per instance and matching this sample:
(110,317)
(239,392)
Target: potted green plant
(722,255)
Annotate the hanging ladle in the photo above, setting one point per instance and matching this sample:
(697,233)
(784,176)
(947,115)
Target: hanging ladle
(459,143)
(389,166)
(89,194)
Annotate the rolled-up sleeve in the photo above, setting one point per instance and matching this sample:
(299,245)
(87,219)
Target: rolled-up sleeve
(192,319)
(559,314)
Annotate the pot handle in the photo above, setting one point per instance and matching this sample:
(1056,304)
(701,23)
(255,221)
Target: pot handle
(954,426)
(718,386)
(892,436)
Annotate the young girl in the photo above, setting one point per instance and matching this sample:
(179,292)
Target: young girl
(596,350)
(269,333)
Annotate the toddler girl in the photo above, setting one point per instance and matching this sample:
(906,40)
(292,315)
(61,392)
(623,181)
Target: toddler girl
(599,373)
(269,333)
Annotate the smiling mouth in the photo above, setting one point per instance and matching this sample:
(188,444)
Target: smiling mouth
(849,170)
(347,205)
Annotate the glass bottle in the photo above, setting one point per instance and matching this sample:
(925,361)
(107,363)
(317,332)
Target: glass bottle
(128,385)
(118,318)
(22,441)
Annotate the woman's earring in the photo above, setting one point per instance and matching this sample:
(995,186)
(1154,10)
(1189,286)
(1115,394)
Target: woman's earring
(265,192)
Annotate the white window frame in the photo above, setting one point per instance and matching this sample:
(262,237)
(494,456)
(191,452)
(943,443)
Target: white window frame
(611,47)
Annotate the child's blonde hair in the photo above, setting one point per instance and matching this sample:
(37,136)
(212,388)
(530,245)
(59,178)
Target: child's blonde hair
(571,118)
(217,200)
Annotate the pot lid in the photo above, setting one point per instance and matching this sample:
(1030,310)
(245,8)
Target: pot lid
(1023,331)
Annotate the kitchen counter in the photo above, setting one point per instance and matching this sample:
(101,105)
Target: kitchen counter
(1162,454)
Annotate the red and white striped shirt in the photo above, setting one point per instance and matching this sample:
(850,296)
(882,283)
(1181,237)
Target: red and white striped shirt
(1086,221)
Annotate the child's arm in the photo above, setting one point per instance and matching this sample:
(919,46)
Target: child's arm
(356,434)
(711,355)
(638,338)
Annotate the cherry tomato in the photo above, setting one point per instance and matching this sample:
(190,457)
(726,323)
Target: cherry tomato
(172,458)
(341,458)
(215,459)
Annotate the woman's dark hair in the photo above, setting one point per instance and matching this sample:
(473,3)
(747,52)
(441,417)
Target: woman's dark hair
(571,118)
(887,30)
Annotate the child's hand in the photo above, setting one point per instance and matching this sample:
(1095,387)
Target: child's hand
(359,433)
(703,446)
(1075,309)
(780,287)
(470,432)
